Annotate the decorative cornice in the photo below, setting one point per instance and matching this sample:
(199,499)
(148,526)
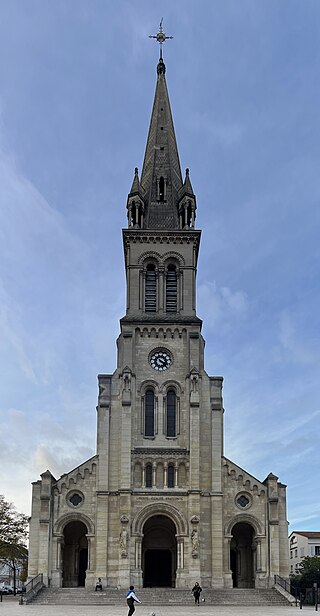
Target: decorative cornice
(161,236)
(160,451)
(155,318)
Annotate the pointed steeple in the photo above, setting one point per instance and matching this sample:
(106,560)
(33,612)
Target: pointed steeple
(161,177)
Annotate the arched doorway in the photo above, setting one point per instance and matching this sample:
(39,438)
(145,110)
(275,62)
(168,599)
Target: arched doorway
(159,552)
(241,555)
(75,554)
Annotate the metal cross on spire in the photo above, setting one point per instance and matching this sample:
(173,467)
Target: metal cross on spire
(161,37)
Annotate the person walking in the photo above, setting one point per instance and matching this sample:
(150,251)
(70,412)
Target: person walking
(131,598)
(196,592)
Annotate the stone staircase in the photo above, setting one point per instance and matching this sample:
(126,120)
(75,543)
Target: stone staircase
(160,596)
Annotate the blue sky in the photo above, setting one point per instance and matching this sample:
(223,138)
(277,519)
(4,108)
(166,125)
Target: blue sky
(76,90)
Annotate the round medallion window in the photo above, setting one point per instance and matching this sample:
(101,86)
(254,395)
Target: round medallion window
(75,499)
(243,500)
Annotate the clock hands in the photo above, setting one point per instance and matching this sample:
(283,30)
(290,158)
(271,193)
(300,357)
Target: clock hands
(160,360)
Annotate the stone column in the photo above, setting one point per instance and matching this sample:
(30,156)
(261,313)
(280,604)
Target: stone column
(176,474)
(166,475)
(57,545)
(136,574)
(227,565)
(192,216)
(129,215)
(90,574)
(258,548)
(180,576)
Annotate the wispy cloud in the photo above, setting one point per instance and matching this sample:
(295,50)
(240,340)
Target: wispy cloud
(220,304)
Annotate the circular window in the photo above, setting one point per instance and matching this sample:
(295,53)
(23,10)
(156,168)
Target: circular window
(243,500)
(75,499)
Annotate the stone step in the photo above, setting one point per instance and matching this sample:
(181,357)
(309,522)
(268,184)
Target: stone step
(160,596)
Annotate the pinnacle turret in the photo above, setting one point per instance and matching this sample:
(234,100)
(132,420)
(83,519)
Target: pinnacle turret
(135,203)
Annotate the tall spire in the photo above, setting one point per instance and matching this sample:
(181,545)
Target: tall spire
(160,199)
(161,176)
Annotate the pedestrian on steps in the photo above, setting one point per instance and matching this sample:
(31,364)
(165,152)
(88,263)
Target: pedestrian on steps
(196,592)
(131,598)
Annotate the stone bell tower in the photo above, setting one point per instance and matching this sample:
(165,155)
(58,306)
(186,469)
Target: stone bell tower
(160,376)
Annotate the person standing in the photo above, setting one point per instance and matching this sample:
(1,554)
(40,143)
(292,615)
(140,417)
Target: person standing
(131,598)
(196,592)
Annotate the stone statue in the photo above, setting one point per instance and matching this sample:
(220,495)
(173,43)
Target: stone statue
(194,383)
(123,542)
(126,381)
(195,543)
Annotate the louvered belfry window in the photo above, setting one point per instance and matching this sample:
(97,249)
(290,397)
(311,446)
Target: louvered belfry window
(150,304)
(171,412)
(171,289)
(149,413)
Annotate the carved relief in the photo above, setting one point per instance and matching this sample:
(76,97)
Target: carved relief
(195,543)
(123,537)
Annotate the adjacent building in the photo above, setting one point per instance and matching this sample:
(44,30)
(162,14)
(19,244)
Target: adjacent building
(301,544)
(159,504)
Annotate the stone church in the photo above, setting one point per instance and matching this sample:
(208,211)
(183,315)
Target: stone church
(159,504)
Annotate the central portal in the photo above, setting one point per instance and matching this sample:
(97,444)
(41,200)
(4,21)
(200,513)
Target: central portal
(159,552)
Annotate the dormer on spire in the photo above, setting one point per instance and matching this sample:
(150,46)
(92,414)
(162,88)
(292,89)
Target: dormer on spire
(187,204)
(135,203)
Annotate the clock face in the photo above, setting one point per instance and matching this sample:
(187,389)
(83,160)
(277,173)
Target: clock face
(160,360)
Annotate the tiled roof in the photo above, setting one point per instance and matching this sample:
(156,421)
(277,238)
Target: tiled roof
(306,533)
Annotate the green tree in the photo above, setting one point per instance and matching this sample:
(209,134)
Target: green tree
(310,571)
(13,536)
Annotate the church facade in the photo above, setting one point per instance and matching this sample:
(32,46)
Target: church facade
(159,504)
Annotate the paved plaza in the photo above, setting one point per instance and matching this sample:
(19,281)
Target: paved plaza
(12,608)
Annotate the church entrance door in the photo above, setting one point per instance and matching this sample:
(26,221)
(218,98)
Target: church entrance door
(75,554)
(242,556)
(159,552)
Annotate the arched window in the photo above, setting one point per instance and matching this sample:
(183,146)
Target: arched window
(150,299)
(149,476)
(149,413)
(171,289)
(170,476)
(171,412)
(161,189)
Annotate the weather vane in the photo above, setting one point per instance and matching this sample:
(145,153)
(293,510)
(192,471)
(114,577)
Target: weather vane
(161,37)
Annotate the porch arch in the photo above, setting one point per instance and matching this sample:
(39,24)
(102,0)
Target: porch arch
(246,518)
(244,543)
(73,517)
(165,509)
